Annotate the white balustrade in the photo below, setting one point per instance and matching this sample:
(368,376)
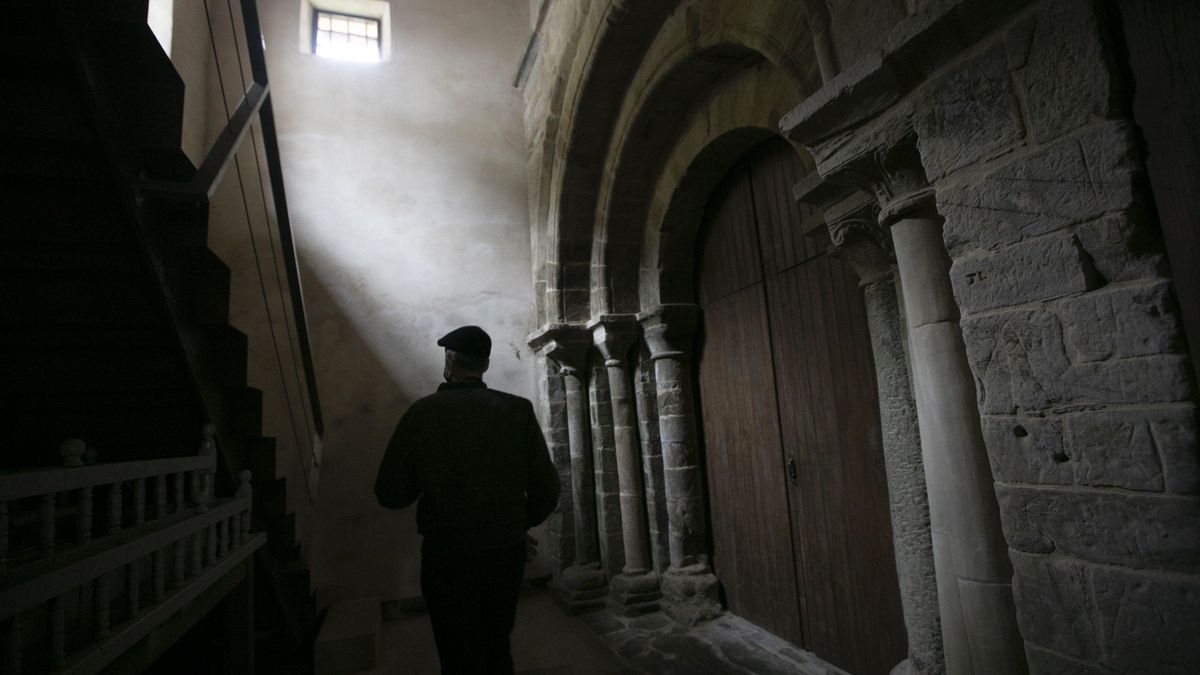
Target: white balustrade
(199,542)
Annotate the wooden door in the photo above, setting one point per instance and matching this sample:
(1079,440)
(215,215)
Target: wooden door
(786,376)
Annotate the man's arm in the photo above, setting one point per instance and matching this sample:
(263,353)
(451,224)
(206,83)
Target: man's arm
(397,484)
(541,494)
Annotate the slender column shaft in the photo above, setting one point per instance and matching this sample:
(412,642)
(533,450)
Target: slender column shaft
(906,477)
(629,475)
(681,470)
(583,480)
(979,630)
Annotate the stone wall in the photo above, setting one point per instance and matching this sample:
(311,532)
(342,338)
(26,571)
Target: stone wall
(1085,389)
(1085,386)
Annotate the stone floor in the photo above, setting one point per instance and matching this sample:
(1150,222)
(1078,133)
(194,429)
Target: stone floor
(654,643)
(548,642)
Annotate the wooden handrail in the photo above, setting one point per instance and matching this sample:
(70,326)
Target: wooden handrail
(34,482)
(37,583)
(220,156)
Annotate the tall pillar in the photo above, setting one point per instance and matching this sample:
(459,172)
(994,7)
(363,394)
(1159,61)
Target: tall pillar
(689,586)
(974,574)
(636,589)
(552,398)
(855,233)
(583,585)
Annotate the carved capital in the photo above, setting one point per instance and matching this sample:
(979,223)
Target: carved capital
(669,330)
(893,172)
(565,344)
(614,335)
(862,242)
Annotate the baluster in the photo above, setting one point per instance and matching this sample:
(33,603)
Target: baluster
(180,563)
(72,451)
(179,492)
(197,553)
(208,449)
(133,586)
(159,574)
(46,515)
(222,537)
(139,501)
(83,523)
(58,631)
(114,508)
(100,588)
(210,544)
(246,491)
(3,535)
(160,496)
(12,645)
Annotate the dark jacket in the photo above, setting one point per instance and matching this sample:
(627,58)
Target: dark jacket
(477,459)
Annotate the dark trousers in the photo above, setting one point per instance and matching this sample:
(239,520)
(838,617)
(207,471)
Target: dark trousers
(472,603)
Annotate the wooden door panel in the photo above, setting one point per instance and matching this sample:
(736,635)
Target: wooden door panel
(774,168)
(729,258)
(829,421)
(752,552)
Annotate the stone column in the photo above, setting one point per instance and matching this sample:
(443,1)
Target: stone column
(974,574)
(855,233)
(583,585)
(689,586)
(552,399)
(636,589)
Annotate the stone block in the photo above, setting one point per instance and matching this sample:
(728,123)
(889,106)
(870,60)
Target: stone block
(1128,448)
(1121,322)
(691,594)
(968,114)
(682,482)
(674,428)
(1136,530)
(1124,246)
(679,454)
(1050,267)
(1054,605)
(1065,75)
(349,636)
(1073,181)
(1027,450)
(1017,358)
(1020,363)
(1149,622)
(1045,662)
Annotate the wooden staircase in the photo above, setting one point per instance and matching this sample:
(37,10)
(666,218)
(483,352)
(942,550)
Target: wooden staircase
(114,321)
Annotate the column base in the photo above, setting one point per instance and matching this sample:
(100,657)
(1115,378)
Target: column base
(691,594)
(635,593)
(581,588)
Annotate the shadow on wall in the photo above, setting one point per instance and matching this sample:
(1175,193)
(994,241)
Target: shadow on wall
(359,548)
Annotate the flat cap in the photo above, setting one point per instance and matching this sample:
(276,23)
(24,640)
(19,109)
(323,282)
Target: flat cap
(470,340)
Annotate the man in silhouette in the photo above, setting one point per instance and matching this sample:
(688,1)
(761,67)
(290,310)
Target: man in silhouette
(477,460)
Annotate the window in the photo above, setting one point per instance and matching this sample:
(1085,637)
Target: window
(346,36)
